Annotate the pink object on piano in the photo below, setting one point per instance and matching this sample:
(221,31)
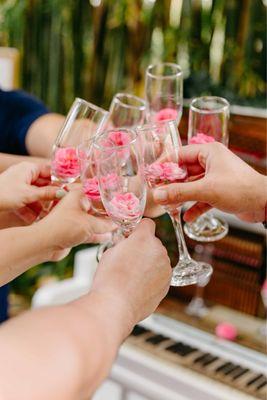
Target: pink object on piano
(226,331)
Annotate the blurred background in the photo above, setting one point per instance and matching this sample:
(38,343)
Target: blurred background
(92,49)
(95,48)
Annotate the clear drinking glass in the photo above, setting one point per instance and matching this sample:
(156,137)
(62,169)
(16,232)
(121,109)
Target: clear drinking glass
(82,122)
(126,110)
(89,179)
(208,122)
(164,92)
(160,145)
(121,178)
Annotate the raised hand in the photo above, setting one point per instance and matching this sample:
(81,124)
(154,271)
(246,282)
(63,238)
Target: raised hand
(226,182)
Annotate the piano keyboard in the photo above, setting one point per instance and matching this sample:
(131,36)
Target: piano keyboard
(228,363)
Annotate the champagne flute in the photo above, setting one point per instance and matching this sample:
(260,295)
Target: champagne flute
(82,122)
(160,145)
(164,92)
(208,122)
(123,195)
(126,110)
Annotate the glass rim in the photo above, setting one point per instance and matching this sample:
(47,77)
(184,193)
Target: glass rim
(117,98)
(225,105)
(114,147)
(152,125)
(179,71)
(79,100)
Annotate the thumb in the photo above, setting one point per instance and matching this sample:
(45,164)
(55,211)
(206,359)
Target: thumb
(181,192)
(47,193)
(146,226)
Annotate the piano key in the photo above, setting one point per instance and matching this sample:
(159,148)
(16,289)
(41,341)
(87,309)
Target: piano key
(262,384)
(156,339)
(205,359)
(181,349)
(210,360)
(231,370)
(238,373)
(255,379)
(225,367)
(139,330)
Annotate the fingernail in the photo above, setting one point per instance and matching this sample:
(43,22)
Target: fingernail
(160,195)
(85,203)
(60,193)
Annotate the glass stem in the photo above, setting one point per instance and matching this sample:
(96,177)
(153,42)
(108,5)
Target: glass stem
(175,216)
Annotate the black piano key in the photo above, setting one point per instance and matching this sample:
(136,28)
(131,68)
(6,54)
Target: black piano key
(181,349)
(231,370)
(254,380)
(261,384)
(239,372)
(205,359)
(224,367)
(209,360)
(156,339)
(139,330)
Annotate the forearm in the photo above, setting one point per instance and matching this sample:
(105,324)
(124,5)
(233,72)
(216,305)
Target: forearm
(72,346)
(7,160)
(22,248)
(42,134)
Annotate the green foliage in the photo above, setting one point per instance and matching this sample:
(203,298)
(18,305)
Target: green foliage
(70,48)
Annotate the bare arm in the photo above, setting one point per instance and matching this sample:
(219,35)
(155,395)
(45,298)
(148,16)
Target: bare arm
(63,353)
(7,160)
(42,134)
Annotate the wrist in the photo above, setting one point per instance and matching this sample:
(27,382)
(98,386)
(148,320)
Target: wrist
(111,312)
(45,235)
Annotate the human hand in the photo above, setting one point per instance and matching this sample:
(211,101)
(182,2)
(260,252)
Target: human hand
(152,209)
(226,182)
(69,224)
(24,186)
(135,274)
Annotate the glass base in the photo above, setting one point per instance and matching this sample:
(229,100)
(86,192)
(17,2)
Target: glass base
(197,308)
(102,248)
(206,229)
(190,272)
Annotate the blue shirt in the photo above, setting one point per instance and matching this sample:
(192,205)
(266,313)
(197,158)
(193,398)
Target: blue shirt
(18,110)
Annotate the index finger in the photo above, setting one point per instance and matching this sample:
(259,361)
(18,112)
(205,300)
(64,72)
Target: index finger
(193,154)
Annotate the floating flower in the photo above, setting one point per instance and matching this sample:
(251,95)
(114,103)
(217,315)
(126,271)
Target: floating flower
(166,172)
(66,163)
(125,206)
(91,188)
(201,138)
(110,181)
(166,114)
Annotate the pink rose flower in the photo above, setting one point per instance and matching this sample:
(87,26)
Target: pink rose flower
(119,138)
(66,163)
(201,138)
(110,181)
(166,114)
(116,139)
(158,173)
(91,188)
(125,206)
